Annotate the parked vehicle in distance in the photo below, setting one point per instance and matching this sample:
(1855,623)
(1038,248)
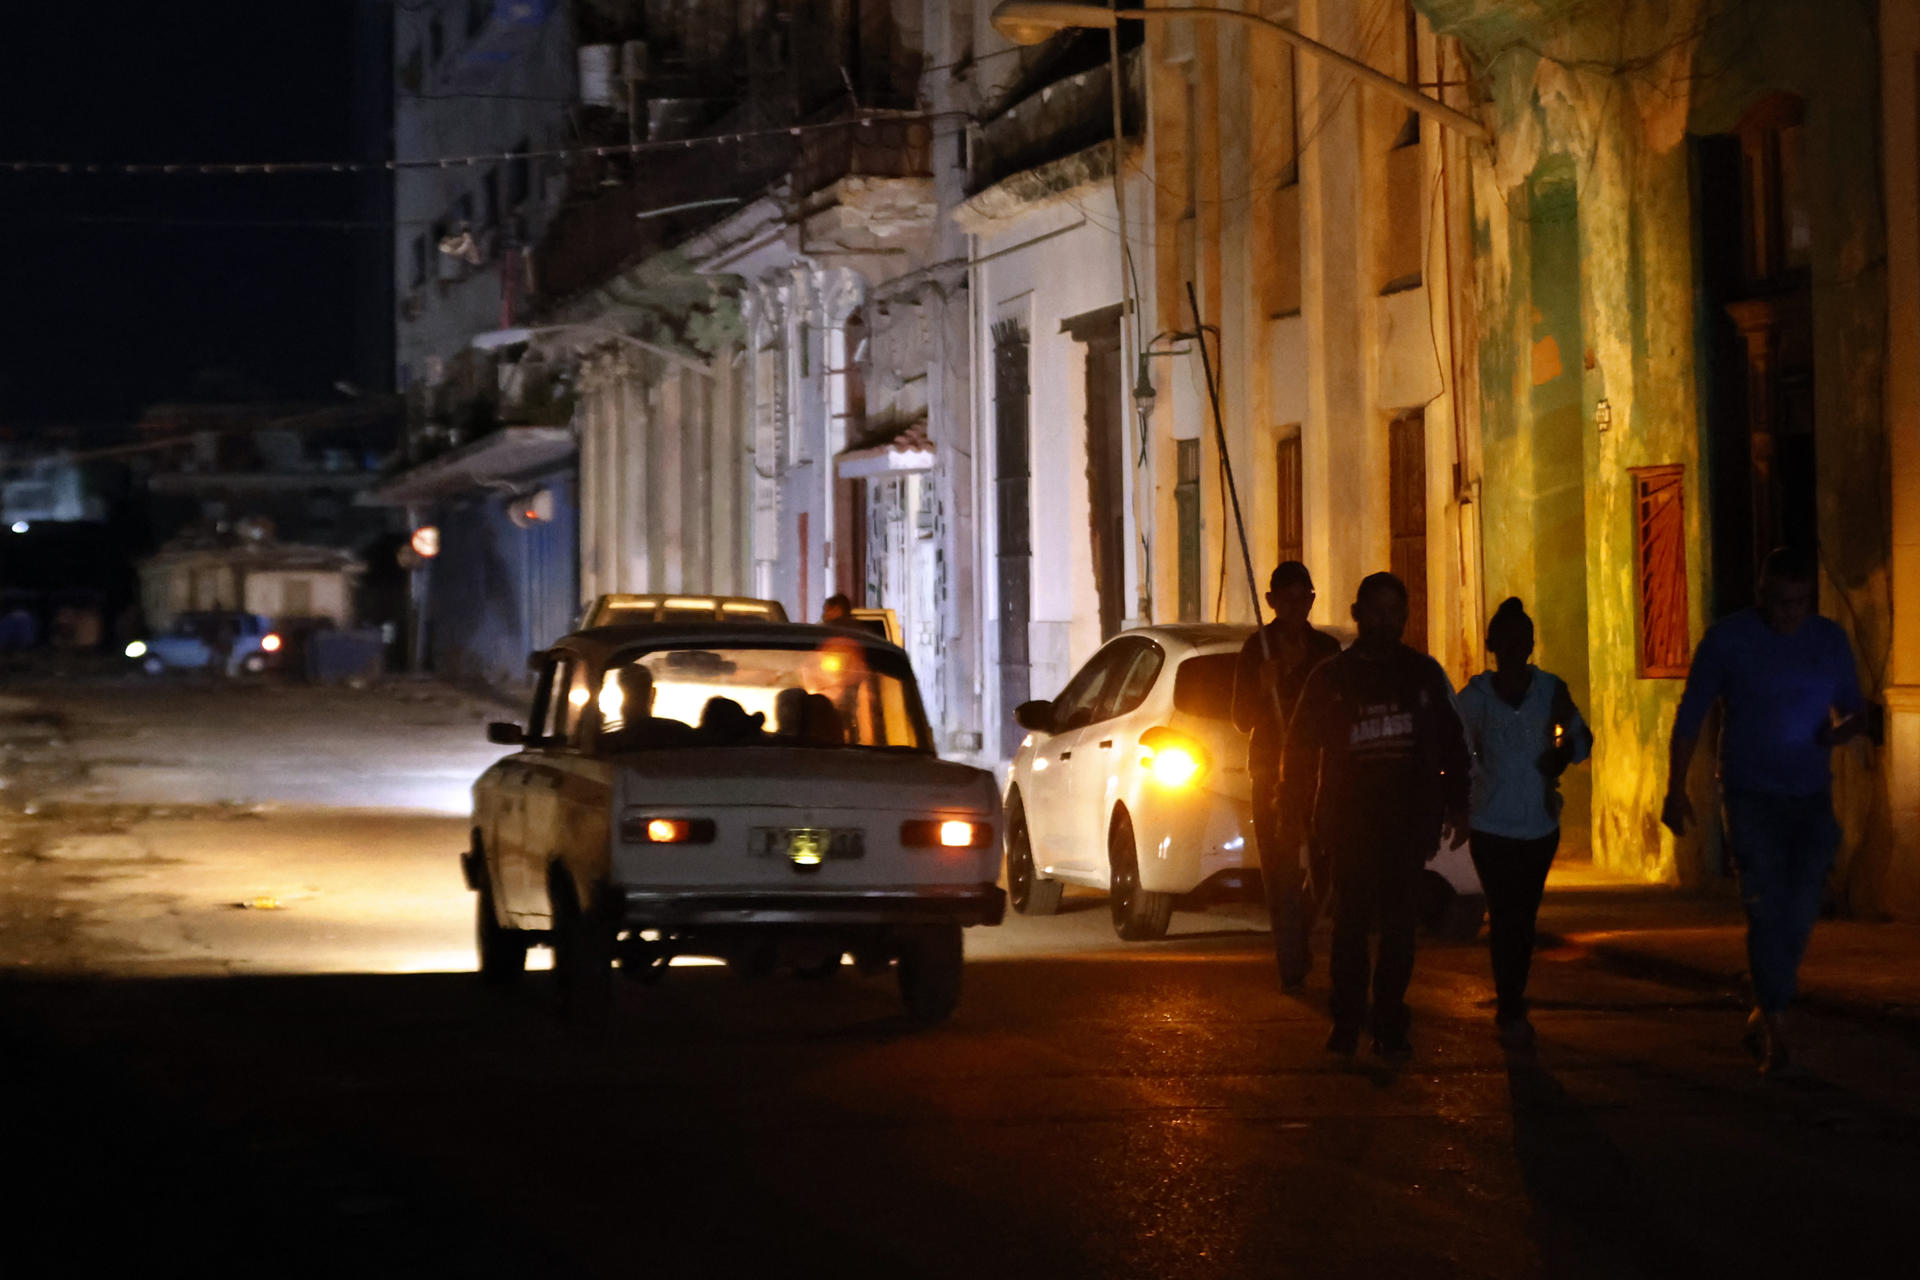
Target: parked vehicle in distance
(1134,780)
(252,645)
(762,792)
(884,623)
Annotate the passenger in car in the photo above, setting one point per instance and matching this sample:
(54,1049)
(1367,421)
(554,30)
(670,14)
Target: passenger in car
(637,728)
(725,723)
(823,724)
(790,712)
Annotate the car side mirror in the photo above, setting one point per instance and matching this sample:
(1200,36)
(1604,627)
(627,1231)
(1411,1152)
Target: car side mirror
(1036,715)
(505,733)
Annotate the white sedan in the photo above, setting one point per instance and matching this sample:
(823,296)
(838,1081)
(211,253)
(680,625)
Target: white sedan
(762,792)
(1134,781)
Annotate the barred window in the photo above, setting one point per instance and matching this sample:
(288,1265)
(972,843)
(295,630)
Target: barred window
(1660,570)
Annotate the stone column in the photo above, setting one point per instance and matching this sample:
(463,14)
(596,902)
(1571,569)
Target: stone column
(1900,103)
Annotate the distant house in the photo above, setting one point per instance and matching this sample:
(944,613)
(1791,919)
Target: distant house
(289,583)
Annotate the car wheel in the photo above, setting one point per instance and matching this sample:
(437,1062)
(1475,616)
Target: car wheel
(253,664)
(503,951)
(153,666)
(1139,915)
(929,964)
(1031,893)
(582,955)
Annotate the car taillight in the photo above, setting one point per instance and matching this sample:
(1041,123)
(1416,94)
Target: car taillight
(270,643)
(650,830)
(945,833)
(1172,759)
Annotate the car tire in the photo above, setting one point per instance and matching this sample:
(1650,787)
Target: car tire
(1030,893)
(582,954)
(1139,915)
(253,664)
(930,962)
(503,950)
(153,666)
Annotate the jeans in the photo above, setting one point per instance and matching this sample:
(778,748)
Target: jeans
(1377,878)
(1783,847)
(1293,902)
(1513,874)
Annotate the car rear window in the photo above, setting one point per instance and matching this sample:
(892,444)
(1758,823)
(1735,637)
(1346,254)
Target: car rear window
(1203,686)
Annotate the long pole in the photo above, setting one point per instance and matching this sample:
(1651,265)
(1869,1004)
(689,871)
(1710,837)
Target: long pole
(1129,305)
(1233,496)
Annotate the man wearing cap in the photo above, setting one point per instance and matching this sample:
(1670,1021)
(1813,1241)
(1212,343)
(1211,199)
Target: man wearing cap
(1273,665)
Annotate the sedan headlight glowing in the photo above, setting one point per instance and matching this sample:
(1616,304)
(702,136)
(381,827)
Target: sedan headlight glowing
(270,643)
(1172,759)
(137,649)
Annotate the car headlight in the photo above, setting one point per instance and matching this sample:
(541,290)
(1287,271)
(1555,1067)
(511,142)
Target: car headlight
(270,643)
(1172,759)
(137,649)
(945,833)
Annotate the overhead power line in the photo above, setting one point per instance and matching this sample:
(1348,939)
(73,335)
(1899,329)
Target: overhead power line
(256,168)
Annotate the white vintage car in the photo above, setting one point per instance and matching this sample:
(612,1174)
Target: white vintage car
(762,792)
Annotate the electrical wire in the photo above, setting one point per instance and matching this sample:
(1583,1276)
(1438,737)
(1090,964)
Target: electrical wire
(258,168)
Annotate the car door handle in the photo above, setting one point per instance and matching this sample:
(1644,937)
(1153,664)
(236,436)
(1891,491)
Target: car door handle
(1105,743)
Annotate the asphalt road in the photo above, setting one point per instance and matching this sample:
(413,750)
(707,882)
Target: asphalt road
(302,1086)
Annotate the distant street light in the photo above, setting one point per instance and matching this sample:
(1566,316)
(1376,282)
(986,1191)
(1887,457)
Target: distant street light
(1031,21)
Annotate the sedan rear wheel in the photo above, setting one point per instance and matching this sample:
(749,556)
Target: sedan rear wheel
(582,955)
(1139,915)
(503,951)
(1031,893)
(930,962)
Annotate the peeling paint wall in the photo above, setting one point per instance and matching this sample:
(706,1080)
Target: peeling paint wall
(1610,95)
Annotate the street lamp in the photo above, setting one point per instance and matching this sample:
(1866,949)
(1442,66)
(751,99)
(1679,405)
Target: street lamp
(1031,21)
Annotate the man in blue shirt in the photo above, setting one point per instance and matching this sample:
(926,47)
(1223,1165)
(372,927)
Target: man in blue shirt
(1787,678)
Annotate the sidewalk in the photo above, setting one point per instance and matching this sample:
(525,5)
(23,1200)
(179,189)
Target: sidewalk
(1697,939)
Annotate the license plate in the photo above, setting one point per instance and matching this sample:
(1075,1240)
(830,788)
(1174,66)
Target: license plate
(808,846)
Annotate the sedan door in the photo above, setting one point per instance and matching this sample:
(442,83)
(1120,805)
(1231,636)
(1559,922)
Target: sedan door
(1110,744)
(507,846)
(1052,822)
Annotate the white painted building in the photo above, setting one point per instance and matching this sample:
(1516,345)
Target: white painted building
(471,78)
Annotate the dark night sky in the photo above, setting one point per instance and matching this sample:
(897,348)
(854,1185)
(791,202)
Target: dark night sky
(111,297)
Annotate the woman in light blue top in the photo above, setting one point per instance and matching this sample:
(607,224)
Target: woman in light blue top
(1524,731)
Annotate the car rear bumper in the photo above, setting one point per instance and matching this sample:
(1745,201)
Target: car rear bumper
(941,904)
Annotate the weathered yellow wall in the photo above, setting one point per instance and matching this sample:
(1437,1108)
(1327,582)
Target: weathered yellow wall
(1612,92)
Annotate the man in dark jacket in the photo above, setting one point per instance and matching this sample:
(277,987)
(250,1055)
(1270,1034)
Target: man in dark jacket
(1376,766)
(1273,665)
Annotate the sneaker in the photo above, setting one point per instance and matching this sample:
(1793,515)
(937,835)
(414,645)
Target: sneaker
(1394,1044)
(1516,1033)
(1344,1041)
(1755,1035)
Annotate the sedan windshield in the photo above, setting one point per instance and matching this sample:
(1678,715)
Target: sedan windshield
(839,693)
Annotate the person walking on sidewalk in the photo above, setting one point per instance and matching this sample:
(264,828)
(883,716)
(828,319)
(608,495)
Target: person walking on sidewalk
(1376,765)
(1523,731)
(1273,665)
(1787,678)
